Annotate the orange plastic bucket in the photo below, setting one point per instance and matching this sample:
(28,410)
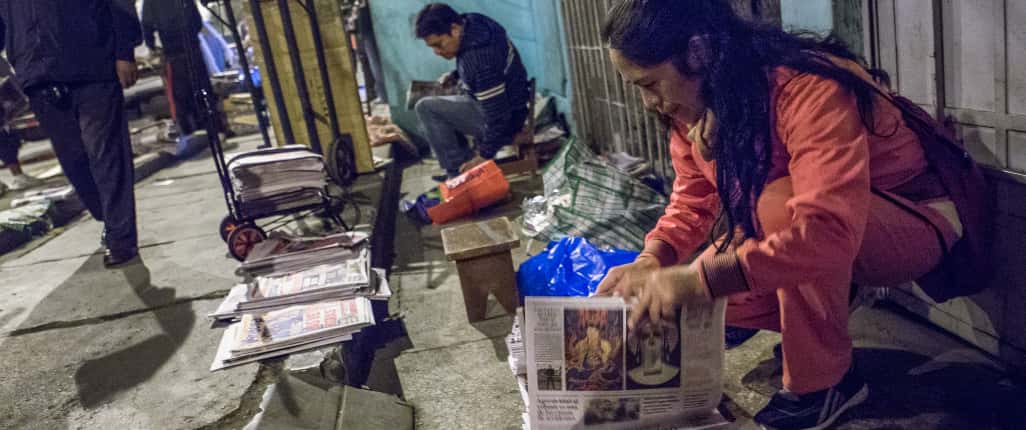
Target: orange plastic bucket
(468,193)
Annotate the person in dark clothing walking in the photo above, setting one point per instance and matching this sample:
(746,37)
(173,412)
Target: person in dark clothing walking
(179,39)
(73,58)
(489,69)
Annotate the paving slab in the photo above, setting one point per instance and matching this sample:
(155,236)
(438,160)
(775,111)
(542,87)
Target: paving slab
(460,387)
(437,318)
(145,371)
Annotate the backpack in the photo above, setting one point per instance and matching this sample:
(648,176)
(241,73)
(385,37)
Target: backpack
(965,268)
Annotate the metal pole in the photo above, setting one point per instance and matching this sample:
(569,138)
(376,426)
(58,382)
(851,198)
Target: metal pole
(322,67)
(201,96)
(299,76)
(938,59)
(271,71)
(255,93)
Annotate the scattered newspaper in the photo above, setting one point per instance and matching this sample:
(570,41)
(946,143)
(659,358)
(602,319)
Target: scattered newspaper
(292,329)
(586,369)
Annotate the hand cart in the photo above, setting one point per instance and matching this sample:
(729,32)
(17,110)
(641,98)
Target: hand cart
(239,228)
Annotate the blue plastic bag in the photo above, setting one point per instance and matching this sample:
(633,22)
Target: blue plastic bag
(569,267)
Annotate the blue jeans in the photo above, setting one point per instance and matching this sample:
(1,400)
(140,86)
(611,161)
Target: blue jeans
(446,119)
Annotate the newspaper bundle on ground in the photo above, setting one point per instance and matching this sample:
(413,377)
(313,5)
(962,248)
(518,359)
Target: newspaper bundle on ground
(53,194)
(281,253)
(239,301)
(586,369)
(292,329)
(268,172)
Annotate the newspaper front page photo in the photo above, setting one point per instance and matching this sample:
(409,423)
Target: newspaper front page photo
(586,369)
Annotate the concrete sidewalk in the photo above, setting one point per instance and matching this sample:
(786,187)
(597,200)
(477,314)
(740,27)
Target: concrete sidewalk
(84,347)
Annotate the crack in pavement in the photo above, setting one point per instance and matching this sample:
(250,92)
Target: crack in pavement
(55,260)
(58,325)
(249,403)
(185,176)
(412,351)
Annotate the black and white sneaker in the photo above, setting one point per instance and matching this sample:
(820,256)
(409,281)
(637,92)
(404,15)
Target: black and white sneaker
(813,411)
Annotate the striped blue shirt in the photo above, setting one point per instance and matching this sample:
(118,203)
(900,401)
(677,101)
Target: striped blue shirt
(490,70)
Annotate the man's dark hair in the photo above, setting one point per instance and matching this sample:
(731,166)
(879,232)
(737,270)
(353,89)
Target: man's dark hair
(436,18)
(735,56)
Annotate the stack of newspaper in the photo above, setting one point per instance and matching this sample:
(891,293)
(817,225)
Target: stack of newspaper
(317,284)
(515,345)
(586,369)
(518,362)
(283,254)
(284,176)
(293,329)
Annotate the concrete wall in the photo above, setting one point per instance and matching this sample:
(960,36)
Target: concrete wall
(534,26)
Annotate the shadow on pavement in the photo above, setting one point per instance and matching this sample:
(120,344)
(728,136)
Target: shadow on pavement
(904,385)
(100,379)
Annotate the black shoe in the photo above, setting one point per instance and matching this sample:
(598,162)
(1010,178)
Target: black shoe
(114,259)
(440,178)
(813,411)
(735,336)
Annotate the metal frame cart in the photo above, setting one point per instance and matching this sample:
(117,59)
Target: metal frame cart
(239,229)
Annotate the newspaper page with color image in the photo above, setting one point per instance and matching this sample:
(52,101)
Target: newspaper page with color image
(587,370)
(301,323)
(347,272)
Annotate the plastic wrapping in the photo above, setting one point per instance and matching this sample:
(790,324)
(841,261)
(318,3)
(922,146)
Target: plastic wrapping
(568,267)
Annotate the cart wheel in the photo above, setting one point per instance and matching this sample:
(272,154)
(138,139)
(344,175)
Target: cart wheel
(243,238)
(228,225)
(341,161)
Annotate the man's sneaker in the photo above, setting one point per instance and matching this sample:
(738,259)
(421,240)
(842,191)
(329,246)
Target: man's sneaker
(735,336)
(24,182)
(813,411)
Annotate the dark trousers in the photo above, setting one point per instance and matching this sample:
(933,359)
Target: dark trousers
(9,145)
(89,132)
(183,82)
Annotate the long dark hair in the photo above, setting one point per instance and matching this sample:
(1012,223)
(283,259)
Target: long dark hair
(737,56)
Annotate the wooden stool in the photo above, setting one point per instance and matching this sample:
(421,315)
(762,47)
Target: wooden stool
(482,252)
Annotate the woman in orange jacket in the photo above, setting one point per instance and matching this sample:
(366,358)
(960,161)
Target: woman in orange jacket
(789,160)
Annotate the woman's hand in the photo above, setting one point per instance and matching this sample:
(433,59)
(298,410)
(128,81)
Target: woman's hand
(621,280)
(665,290)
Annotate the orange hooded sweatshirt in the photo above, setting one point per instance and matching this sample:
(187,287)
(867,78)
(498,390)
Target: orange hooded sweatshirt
(820,141)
